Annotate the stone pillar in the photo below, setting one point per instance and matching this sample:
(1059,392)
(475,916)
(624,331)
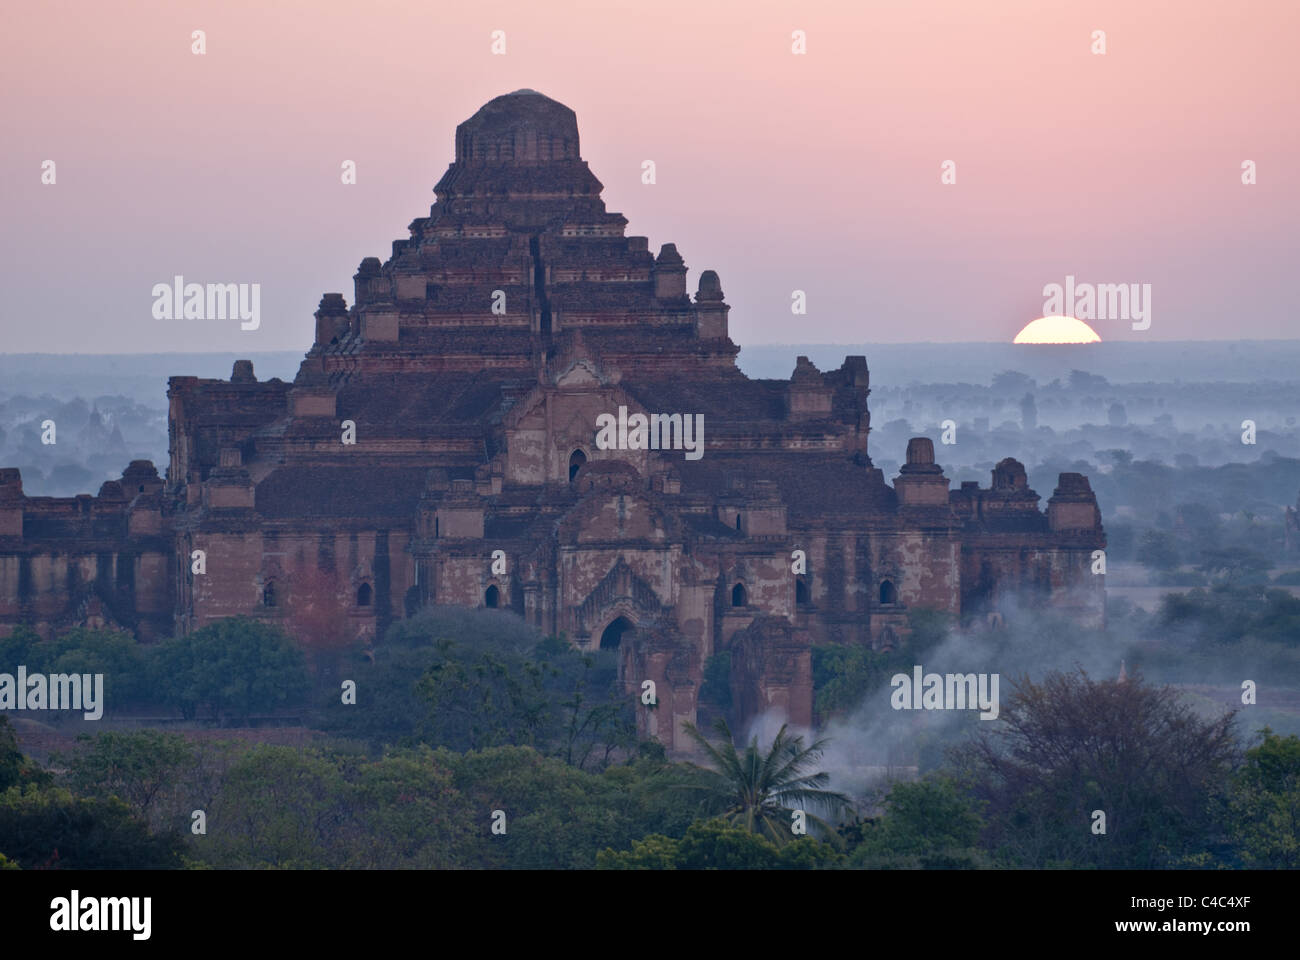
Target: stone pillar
(710,311)
(670,274)
(331,319)
(1073,505)
(921,482)
(11,503)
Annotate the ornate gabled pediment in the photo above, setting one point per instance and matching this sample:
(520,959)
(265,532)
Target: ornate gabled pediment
(620,587)
(530,404)
(582,376)
(583,372)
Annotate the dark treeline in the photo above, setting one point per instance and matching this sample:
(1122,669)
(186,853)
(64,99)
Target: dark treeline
(475,742)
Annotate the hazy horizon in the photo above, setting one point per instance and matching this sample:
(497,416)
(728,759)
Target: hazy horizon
(144,375)
(1027,349)
(774,343)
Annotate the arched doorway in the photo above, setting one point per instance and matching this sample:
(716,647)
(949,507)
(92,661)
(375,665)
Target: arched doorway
(492,597)
(364,595)
(612,636)
(576,460)
(739,597)
(888,594)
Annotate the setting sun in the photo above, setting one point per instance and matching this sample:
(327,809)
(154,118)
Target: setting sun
(1057,330)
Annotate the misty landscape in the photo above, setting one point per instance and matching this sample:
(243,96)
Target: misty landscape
(1203,598)
(608,440)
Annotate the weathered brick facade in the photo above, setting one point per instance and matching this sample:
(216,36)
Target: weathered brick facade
(472,370)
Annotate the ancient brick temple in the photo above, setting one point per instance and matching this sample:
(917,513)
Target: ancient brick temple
(504,417)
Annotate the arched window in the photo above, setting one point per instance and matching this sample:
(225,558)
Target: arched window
(364,594)
(268,595)
(738,596)
(492,597)
(612,635)
(435,526)
(887,592)
(801,595)
(737,521)
(576,460)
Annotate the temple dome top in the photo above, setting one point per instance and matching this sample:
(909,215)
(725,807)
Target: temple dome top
(523,127)
(1009,474)
(710,288)
(920,450)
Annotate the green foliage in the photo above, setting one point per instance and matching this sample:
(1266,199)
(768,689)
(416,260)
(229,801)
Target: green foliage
(1235,565)
(598,716)
(479,698)
(1229,613)
(20,646)
(1236,550)
(140,768)
(653,852)
(809,853)
(1195,635)
(284,808)
(760,790)
(16,769)
(278,807)
(51,828)
(113,653)
(409,814)
(718,845)
(929,825)
(176,677)
(388,709)
(236,667)
(1263,812)
(557,815)
(1069,745)
(844,675)
(469,680)
(7,864)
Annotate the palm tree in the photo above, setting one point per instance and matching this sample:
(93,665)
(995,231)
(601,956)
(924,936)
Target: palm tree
(760,792)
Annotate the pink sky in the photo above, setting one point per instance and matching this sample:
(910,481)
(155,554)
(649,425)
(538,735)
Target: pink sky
(782,172)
